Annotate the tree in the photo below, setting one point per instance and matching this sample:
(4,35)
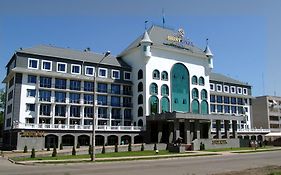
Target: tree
(33,153)
(130,147)
(90,149)
(73,151)
(116,148)
(103,149)
(142,147)
(155,147)
(25,149)
(54,154)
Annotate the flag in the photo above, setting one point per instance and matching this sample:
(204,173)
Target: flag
(163,17)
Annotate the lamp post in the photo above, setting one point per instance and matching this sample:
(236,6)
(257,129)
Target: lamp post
(93,150)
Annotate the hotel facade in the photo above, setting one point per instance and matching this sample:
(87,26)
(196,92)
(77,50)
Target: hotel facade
(159,89)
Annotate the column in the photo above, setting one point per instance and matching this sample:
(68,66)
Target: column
(197,129)
(82,115)
(68,114)
(226,128)
(38,113)
(187,133)
(171,133)
(52,113)
(218,129)
(110,115)
(234,129)
(160,128)
(210,130)
(75,140)
(176,130)
(122,117)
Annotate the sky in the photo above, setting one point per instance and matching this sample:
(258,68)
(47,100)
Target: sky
(244,36)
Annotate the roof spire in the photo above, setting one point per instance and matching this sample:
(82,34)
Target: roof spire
(207,49)
(146,38)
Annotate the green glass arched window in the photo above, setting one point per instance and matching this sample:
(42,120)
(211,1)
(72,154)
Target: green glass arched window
(180,90)
(156,74)
(204,94)
(164,75)
(164,90)
(140,112)
(153,88)
(165,104)
(204,107)
(195,93)
(194,80)
(195,107)
(201,81)
(154,105)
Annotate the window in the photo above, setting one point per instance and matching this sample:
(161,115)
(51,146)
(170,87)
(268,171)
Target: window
(88,86)
(30,107)
(194,80)
(140,87)
(127,90)
(156,74)
(102,99)
(140,99)
(233,109)
(75,69)
(233,100)
(239,90)
(61,67)
(153,88)
(213,98)
(164,90)
(60,110)
(45,109)
(127,76)
(240,101)
(89,112)
(46,82)
(102,112)
(194,93)
(46,65)
(74,98)
(212,87)
(88,99)
(75,85)
(219,109)
(195,107)
(9,108)
(201,81)
(226,100)
(89,71)
(140,74)
(115,88)
(140,112)
(233,89)
(102,87)
(128,114)
(127,102)
(165,104)
(74,111)
(219,99)
(33,63)
(154,105)
(213,108)
(60,97)
(31,79)
(116,113)
(115,101)
(245,91)
(204,107)
(164,75)
(115,74)
(31,92)
(226,109)
(60,83)
(102,72)
(11,82)
(240,110)
(219,88)
(45,95)
(204,94)
(226,88)
(10,95)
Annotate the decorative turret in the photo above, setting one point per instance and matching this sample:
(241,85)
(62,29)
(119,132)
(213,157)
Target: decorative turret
(209,55)
(145,45)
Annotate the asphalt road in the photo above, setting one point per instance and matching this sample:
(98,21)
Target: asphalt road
(175,166)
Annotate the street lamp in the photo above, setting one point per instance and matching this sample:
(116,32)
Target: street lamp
(93,151)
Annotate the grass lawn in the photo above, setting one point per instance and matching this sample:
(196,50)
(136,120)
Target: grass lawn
(275,173)
(238,149)
(106,155)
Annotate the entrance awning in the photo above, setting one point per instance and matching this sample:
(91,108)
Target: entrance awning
(273,134)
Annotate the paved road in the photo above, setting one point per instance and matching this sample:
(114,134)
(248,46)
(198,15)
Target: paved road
(176,166)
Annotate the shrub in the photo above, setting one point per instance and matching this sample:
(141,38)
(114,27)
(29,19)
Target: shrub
(90,149)
(73,151)
(116,148)
(78,145)
(25,149)
(103,149)
(61,146)
(48,147)
(130,147)
(33,153)
(142,147)
(54,154)
(155,147)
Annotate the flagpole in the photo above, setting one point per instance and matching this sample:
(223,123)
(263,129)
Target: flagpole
(163,17)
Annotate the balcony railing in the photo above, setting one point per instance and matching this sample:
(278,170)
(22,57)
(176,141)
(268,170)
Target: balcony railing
(76,127)
(245,130)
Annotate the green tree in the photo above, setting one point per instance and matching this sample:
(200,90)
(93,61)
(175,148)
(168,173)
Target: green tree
(142,147)
(73,151)
(103,149)
(116,148)
(155,147)
(54,154)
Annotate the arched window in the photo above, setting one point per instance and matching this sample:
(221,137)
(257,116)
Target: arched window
(156,74)
(140,99)
(204,94)
(164,75)
(194,80)
(140,74)
(165,104)
(153,88)
(140,112)
(140,122)
(204,107)
(140,87)
(195,107)
(154,105)
(201,81)
(164,90)
(194,93)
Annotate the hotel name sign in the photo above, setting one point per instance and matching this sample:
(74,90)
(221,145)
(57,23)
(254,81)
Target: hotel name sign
(219,142)
(178,40)
(32,134)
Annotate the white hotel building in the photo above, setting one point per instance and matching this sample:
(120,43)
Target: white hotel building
(156,90)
